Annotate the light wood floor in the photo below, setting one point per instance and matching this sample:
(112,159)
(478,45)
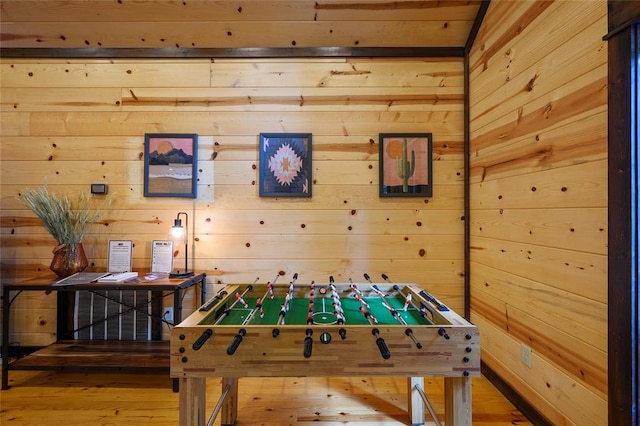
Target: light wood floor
(71,398)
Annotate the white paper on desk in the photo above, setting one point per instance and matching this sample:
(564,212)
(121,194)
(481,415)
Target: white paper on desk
(80,278)
(162,256)
(118,278)
(120,256)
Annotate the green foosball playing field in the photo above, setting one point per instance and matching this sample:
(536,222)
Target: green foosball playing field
(320,306)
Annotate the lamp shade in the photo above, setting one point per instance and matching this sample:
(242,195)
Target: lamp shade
(180,235)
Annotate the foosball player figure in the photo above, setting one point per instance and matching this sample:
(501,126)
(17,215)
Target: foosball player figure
(368,315)
(407,301)
(337,308)
(287,300)
(423,312)
(270,289)
(241,300)
(361,300)
(259,307)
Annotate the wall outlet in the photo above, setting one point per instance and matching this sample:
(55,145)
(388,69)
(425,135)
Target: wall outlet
(168,314)
(525,355)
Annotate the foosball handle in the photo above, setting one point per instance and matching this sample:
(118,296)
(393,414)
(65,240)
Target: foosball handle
(231,349)
(442,332)
(384,350)
(308,346)
(409,333)
(308,343)
(202,339)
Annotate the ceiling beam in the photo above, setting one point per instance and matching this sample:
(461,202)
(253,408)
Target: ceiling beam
(248,52)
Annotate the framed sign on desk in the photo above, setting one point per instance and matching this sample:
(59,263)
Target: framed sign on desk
(120,256)
(161,256)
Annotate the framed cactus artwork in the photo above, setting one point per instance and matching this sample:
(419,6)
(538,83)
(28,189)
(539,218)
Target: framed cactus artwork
(285,164)
(405,165)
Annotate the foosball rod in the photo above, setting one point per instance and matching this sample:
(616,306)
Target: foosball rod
(408,299)
(408,331)
(335,297)
(394,313)
(226,312)
(258,307)
(289,296)
(422,293)
(311,296)
(358,294)
(287,300)
(385,303)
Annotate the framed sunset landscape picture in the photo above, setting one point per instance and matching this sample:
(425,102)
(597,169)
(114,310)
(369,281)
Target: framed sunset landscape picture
(170,161)
(285,164)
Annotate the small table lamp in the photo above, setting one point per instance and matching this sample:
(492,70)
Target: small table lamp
(179,233)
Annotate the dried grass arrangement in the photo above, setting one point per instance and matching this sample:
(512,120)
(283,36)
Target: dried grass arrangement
(65,220)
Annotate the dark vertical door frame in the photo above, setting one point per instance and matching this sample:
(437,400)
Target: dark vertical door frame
(623,18)
(477,23)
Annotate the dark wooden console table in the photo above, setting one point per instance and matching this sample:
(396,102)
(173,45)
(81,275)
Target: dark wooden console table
(122,355)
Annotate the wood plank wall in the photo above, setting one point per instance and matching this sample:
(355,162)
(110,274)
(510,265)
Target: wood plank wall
(74,122)
(538,195)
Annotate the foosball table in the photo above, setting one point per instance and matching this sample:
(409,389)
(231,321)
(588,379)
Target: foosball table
(320,330)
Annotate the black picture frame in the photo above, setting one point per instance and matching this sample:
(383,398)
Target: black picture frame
(411,152)
(285,164)
(170,165)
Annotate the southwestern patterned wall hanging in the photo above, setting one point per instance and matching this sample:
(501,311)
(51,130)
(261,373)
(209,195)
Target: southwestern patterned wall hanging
(405,165)
(285,164)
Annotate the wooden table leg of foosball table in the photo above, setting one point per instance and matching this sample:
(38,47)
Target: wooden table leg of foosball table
(457,401)
(192,401)
(229,412)
(416,406)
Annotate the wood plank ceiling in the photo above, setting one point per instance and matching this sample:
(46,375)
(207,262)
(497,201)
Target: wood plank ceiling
(192,25)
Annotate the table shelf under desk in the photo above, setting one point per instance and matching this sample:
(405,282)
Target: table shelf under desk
(69,353)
